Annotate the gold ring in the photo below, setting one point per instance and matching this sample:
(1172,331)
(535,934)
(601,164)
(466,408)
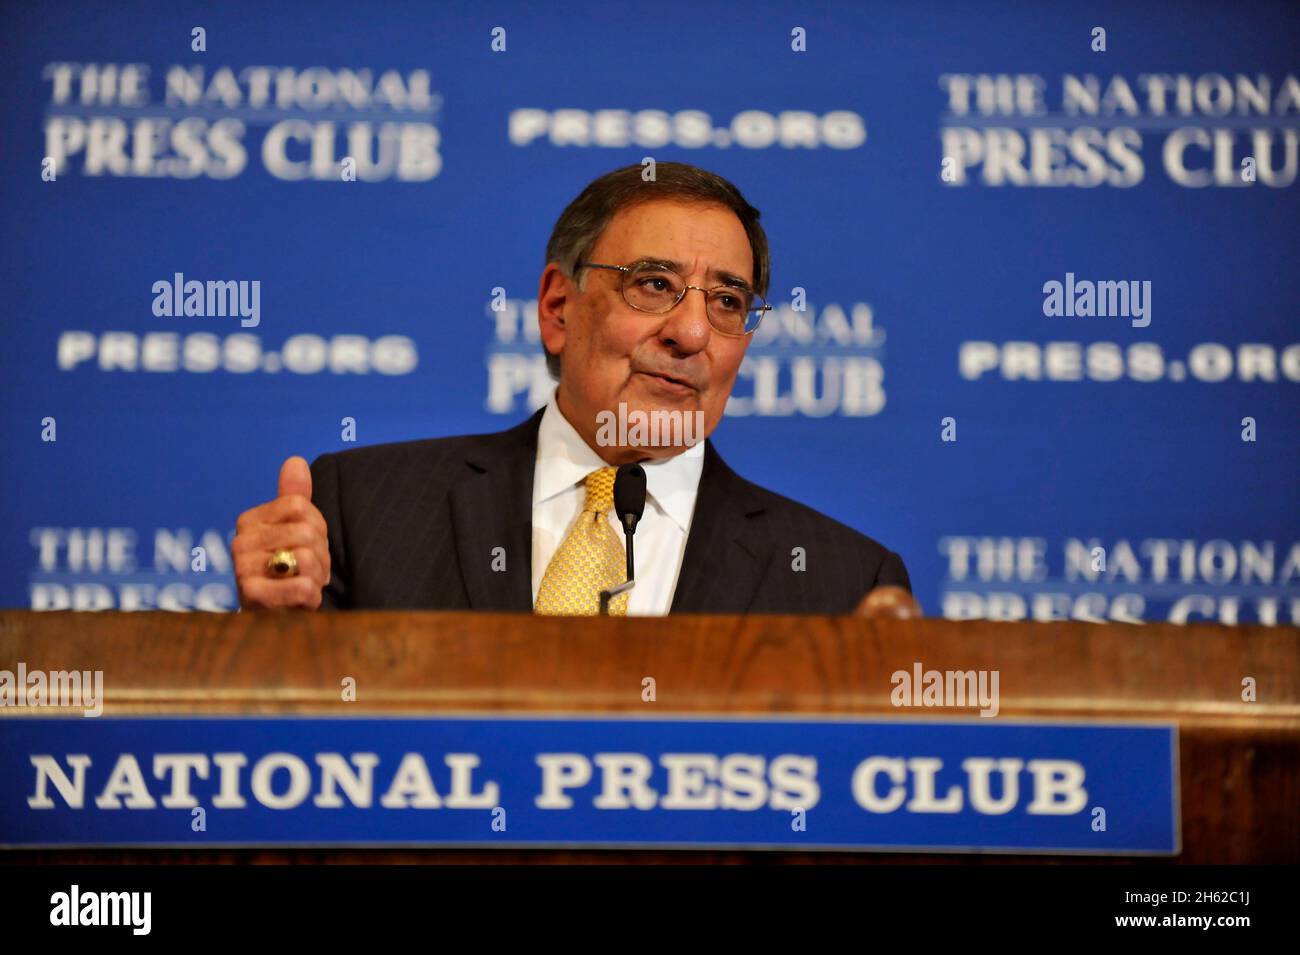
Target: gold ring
(282,564)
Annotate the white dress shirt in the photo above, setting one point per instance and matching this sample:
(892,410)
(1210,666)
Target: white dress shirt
(563,462)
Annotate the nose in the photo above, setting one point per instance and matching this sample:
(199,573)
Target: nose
(687,328)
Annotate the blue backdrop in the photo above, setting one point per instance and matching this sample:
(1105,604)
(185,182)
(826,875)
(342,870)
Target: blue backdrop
(379,170)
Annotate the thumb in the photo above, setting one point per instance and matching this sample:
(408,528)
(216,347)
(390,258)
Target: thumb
(295,477)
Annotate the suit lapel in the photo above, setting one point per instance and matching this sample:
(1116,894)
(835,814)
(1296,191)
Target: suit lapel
(726,555)
(492,507)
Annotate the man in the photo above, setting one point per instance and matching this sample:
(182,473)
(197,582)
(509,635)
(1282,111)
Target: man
(649,298)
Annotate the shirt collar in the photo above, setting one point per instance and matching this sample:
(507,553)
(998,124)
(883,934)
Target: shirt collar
(564,459)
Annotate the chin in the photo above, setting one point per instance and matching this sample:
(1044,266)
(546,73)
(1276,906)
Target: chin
(651,426)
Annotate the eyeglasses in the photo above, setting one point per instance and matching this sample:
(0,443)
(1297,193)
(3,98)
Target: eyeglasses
(649,287)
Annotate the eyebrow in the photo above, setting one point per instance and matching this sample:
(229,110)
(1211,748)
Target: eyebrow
(725,277)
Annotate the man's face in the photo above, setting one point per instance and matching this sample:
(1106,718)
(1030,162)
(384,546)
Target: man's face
(613,353)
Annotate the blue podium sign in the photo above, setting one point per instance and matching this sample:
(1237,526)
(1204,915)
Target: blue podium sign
(759,782)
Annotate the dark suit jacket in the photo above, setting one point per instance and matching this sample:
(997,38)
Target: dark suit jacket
(416,525)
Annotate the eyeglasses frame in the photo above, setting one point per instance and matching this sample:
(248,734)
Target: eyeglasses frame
(627,269)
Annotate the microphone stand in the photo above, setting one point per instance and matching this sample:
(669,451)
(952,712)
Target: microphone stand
(629,529)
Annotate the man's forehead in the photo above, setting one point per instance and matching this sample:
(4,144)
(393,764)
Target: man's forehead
(674,233)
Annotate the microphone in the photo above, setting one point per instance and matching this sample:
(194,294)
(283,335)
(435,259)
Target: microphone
(629,505)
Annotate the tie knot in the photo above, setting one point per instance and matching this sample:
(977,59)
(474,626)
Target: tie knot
(600,490)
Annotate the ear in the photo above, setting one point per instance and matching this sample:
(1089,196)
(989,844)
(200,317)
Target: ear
(553,293)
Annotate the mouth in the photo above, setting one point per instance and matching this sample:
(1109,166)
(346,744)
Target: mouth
(669,383)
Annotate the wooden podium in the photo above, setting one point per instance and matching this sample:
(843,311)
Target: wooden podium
(1239,762)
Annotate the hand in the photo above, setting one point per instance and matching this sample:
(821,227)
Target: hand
(890,603)
(290,522)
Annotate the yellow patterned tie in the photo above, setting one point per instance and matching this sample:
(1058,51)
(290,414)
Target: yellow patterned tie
(589,560)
